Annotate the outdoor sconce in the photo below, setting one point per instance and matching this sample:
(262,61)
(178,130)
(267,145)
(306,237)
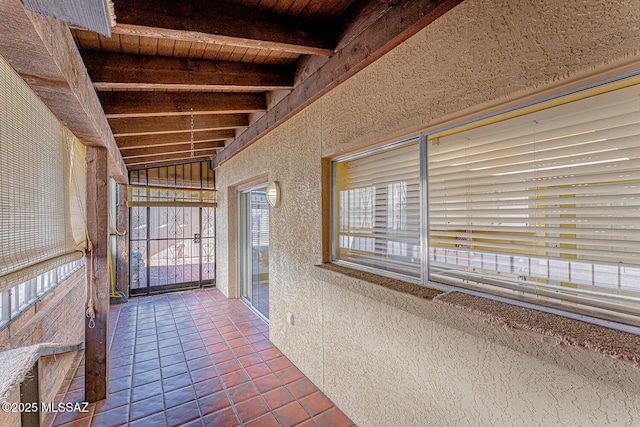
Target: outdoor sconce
(273,194)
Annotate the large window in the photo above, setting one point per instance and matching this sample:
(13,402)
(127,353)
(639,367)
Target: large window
(378,205)
(541,205)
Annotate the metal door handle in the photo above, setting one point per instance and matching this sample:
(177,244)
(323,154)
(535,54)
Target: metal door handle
(196,238)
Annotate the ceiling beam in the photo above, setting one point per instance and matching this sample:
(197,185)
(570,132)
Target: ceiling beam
(400,21)
(145,104)
(172,124)
(128,71)
(222,23)
(127,142)
(42,51)
(168,159)
(171,149)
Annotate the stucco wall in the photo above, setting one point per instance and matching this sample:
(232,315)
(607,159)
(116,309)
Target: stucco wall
(384,365)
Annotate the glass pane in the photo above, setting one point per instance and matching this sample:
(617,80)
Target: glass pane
(260,251)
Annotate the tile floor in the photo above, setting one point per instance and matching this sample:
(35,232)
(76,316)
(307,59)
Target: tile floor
(197,359)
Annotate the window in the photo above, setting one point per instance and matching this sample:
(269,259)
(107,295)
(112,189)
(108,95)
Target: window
(19,298)
(540,204)
(378,203)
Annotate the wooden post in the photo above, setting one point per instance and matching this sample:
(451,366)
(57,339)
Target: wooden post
(122,224)
(96,335)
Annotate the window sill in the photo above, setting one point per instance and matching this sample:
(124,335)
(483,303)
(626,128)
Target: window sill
(591,350)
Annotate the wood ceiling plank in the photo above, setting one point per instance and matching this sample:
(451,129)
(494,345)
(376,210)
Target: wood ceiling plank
(400,22)
(170,149)
(129,44)
(112,70)
(165,46)
(197,50)
(89,40)
(226,23)
(148,46)
(145,104)
(173,124)
(110,44)
(139,141)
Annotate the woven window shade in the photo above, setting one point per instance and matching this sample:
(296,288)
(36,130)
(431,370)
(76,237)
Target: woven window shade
(39,226)
(166,196)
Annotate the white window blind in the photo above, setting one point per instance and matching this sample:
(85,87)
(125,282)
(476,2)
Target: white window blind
(546,204)
(378,210)
(41,185)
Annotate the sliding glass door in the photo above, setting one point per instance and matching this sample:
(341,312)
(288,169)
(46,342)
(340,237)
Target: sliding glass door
(254,249)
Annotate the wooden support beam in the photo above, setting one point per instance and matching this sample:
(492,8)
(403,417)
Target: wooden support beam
(170,149)
(402,20)
(122,258)
(130,126)
(145,104)
(96,332)
(126,71)
(129,142)
(42,51)
(166,160)
(226,23)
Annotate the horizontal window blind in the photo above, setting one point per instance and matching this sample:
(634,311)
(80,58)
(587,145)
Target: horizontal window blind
(40,228)
(545,204)
(167,196)
(378,210)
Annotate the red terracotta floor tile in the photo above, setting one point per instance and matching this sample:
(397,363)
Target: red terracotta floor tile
(259,370)
(290,374)
(242,392)
(224,418)
(113,418)
(180,415)
(291,414)
(234,378)
(207,387)
(301,388)
(315,403)
(278,397)
(266,383)
(267,420)
(250,360)
(213,402)
(279,363)
(146,407)
(252,408)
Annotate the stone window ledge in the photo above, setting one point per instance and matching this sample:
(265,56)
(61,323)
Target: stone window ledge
(591,350)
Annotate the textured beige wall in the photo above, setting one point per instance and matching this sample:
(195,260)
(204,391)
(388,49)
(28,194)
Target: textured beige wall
(389,365)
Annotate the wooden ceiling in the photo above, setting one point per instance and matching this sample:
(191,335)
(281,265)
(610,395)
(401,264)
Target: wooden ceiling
(187,80)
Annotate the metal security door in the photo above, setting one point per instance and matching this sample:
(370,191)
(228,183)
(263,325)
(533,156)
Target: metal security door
(171,248)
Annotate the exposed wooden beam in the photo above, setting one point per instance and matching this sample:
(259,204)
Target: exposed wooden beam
(96,330)
(401,21)
(127,71)
(168,159)
(42,51)
(145,104)
(222,23)
(158,125)
(129,142)
(170,149)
